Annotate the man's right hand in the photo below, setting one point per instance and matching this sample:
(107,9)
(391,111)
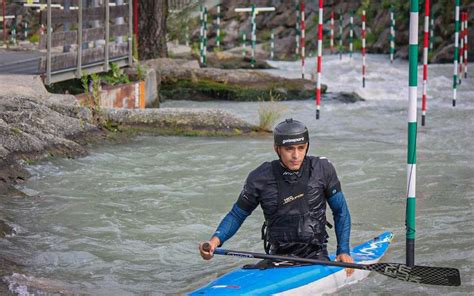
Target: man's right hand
(206,249)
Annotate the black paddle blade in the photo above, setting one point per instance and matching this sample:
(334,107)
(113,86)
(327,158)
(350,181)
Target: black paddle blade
(441,276)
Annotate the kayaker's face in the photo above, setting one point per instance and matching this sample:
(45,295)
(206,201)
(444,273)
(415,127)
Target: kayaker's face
(292,156)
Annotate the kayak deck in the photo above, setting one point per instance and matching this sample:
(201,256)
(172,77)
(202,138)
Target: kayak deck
(314,279)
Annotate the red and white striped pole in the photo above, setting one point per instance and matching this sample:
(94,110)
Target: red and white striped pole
(363,48)
(320,53)
(302,39)
(331,41)
(426,42)
(465,44)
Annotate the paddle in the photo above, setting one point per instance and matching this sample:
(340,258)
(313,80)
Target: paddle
(442,276)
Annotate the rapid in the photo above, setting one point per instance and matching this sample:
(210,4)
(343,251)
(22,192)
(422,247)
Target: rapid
(127,219)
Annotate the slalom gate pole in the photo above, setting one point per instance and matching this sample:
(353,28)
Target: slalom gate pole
(244,53)
(425,60)
(392,35)
(456,50)
(201,33)
(341,20)
(205,37)
(218,34)
(465,43)
(297,37)
(303,45)
(411,153)
(319,58)
(431,32)
(363,48)
(351,33)
(272,45)
(466,16)
(331,41)
(254,36)
(461,48)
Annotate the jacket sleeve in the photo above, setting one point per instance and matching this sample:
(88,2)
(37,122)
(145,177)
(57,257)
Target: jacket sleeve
(342,221)
(231,223)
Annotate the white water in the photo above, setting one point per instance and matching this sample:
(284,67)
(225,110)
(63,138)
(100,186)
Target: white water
(127,219)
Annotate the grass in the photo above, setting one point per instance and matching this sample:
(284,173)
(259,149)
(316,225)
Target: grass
(269,112)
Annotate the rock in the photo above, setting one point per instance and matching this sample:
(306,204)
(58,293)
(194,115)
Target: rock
(344,97)
(180,120)
(22,85)
(240,85)
(445,55)
(5,229)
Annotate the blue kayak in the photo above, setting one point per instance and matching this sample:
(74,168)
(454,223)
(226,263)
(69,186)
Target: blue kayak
(298,280)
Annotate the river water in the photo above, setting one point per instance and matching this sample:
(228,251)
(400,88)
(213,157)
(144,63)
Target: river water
(127,219)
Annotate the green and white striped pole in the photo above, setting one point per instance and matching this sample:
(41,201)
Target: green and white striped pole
(218,36)
(461,48)
(411,155)
(392,34)
(187,36)
(201,33)
(456,50)
(351,33)
(254,36)
(244,49)
(431,33)
(272,45)
(298,20)
(204,52)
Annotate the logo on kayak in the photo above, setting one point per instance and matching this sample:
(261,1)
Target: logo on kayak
(225,287)
(292,198)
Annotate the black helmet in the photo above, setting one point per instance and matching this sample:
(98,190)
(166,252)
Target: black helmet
(290,132)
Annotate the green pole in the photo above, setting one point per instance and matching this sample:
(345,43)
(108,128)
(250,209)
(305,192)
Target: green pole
(351,33)
(412,109)
(254,36)
(456,51)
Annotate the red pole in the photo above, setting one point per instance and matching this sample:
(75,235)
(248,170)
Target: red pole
(135,19)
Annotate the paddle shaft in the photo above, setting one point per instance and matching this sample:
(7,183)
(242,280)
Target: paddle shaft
(443,276)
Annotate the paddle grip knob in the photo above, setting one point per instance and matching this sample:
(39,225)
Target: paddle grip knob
(206,247)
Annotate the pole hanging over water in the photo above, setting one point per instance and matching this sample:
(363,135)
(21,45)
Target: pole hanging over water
(205,37)
(461,48)
(201,33)
(425,59)
(363,48)
(297,37)
(303,45)
(331,41)
(218,36)
(431,33)
(244,50)
(392,34)
(272,45)
(254,36)
(411,155)
(465,43)
(319,59)
(456,50)
(351,33)
(341,20)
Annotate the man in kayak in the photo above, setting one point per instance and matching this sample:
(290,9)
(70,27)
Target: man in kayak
(293,192)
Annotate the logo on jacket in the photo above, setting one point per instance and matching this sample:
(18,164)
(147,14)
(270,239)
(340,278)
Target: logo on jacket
(292,198)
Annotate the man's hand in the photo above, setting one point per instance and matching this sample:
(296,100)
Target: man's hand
(207,254)
(348,259)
